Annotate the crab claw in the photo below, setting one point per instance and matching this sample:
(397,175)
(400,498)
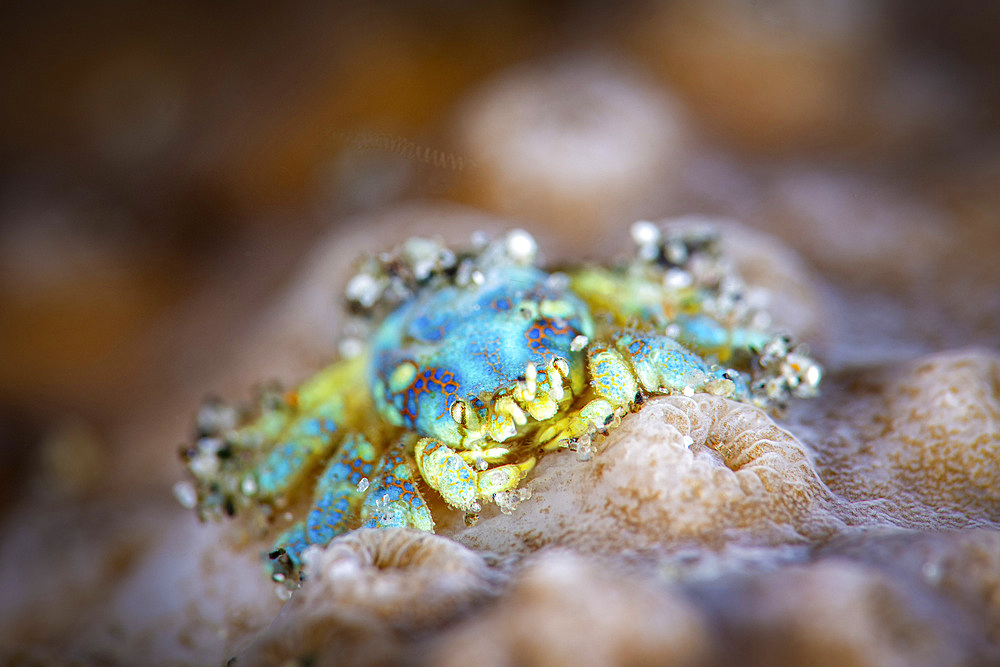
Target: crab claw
(461,487)
(595,417)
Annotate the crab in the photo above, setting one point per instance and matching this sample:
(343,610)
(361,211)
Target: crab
(463,367)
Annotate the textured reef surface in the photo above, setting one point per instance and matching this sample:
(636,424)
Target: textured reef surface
(859,528)
(861,525)
(466,366)
(616,469)
(715,521)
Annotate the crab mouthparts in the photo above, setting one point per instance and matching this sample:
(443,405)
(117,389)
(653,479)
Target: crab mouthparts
(538,396)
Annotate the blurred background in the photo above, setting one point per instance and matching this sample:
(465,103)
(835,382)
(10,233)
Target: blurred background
(166,168)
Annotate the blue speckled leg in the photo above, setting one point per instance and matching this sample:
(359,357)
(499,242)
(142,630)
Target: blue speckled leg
(287,554)
(337,497)
(661,364)
(741,390)
(628,367)
(302,444)
(622,371)
(707,337)
(389,499)
(393,500)
(270,461)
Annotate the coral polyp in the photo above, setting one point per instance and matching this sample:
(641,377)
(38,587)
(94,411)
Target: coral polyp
(470,365)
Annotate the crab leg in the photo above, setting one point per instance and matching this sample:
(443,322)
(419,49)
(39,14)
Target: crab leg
(339,492)
(393,500)
(356,481)
(267,459)
(622,372)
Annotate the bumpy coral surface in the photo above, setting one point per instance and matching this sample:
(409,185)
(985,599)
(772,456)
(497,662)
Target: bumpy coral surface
(612,617)
(371,583)
(684,471)
(578,141)
(917,444)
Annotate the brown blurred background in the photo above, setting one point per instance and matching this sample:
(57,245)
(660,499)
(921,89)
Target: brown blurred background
(165,166)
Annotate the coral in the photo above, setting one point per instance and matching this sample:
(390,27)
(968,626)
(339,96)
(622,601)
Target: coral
(702,530)
(836,612)
(368,586)
(963,566)
(563,609)
(944,415)
(925,434)
(580,142)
